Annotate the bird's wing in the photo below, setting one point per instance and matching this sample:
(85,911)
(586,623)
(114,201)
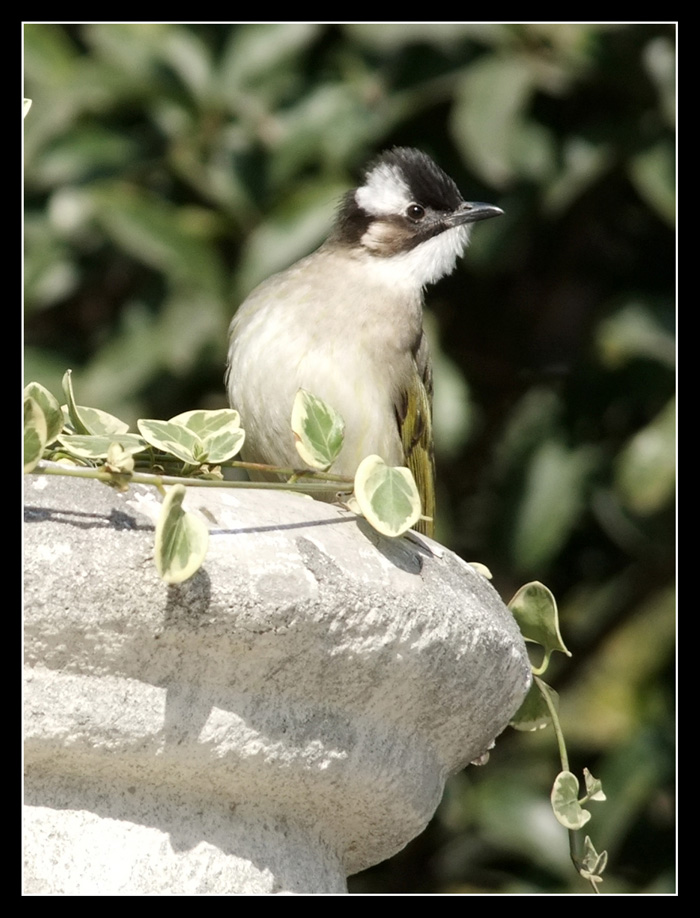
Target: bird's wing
(414,414)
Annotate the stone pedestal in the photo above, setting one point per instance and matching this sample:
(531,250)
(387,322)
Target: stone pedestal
(285,718)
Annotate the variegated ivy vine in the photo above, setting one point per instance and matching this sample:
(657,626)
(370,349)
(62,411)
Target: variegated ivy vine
(191,449)
(535,610)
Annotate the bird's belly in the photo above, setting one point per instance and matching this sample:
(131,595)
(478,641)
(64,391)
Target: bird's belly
(342,375)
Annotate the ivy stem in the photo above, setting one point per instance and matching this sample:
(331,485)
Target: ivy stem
(574,838)
(276,470)
(160,480)
(551,707)
(158,457)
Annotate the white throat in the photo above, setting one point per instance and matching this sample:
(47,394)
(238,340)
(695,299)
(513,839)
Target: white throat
(425,264)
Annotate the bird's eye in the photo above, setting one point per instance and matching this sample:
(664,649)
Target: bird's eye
(415,212)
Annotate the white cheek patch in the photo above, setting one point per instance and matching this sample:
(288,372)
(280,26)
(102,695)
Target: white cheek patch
(385,192)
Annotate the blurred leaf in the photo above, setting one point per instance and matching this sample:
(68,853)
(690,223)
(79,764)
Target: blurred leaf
(258,55)
(489,126)
(50,271)
(552,501)
(584,162)
(83,153)
(48,52)
(632,773)
(507,808)
(291,230)
(645,470)
(330,123)
(619,688)
(187,324)
(129,359)
(660,60)
(191,60)
(152,232)
(634,331)
(452,408)
(653,173)
(535,418)
(66,84)
(393,36)
(132,47)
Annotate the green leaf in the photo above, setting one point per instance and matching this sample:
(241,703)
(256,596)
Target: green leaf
(583,162)
(220,431)
(257,55)
(635,331)
(553,499)
(489,122)
(592,863)
(653,173)
(87,421)
(34,433)
(293,228)
(594,786)
(72,409)
(204,423)
(154,232)
(86,151)
(535,610)
(97,447)
(318,430)
(645,470)
(101,423)
(533,713)
(564,797)
(173,438)
(387,496)
(660,64)
(49,406)
(181,539)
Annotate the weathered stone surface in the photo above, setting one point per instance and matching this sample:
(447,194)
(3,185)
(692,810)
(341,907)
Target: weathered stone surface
(283,719)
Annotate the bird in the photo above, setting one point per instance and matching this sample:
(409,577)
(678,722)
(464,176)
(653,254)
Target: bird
(346,324)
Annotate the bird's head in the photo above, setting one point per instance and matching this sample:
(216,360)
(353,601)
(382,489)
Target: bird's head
(409,214)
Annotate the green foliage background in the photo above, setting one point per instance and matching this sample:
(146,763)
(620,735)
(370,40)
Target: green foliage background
(169,168)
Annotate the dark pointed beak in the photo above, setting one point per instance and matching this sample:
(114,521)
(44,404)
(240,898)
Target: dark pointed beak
(471,211)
